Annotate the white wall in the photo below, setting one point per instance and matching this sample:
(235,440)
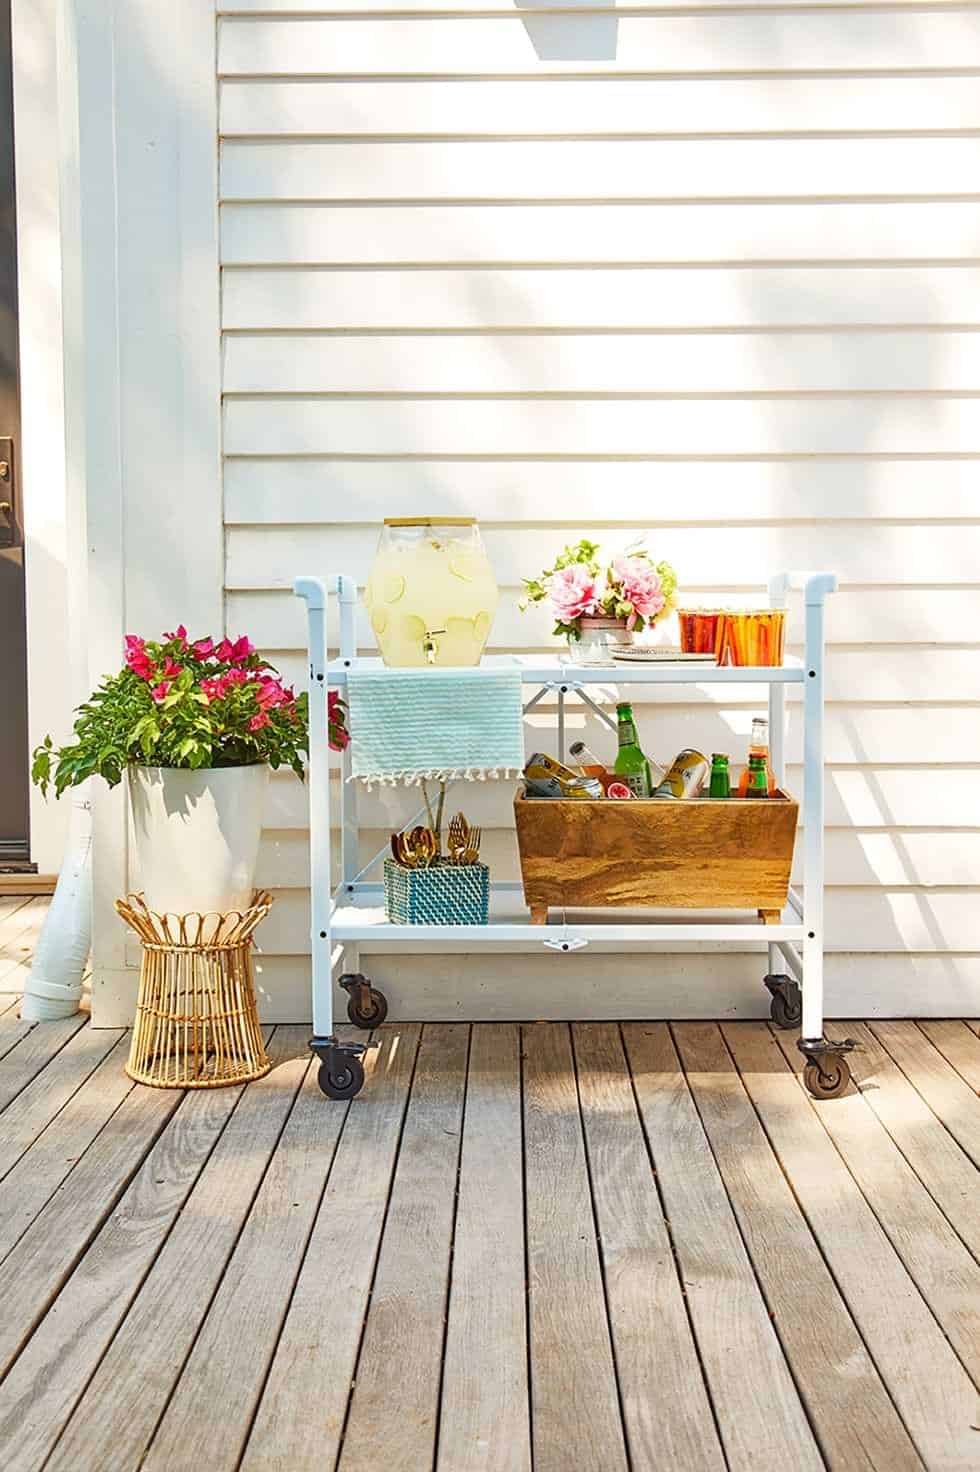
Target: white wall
(42,446)
(714,274)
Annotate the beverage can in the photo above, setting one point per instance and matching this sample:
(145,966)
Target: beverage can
(686,776)
(546,777)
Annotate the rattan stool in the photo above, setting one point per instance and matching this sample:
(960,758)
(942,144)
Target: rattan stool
(196,1025)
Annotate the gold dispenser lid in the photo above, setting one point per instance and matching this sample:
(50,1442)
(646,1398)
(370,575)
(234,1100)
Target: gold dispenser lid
(430,521)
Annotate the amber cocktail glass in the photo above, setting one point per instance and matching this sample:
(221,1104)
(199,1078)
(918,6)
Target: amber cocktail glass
(754,636)
(701,630)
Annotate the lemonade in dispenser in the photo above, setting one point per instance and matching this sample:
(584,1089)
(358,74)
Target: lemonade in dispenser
(431,594)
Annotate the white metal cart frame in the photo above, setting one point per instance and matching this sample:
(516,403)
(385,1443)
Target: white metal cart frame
(353,914)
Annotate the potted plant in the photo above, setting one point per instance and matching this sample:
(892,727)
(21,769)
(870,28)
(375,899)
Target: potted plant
(597,603)
(196,725)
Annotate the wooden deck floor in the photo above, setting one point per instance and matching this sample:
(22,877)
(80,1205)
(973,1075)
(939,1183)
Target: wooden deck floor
(585,1248)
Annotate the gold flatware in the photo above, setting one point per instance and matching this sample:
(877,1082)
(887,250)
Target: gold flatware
(457,838)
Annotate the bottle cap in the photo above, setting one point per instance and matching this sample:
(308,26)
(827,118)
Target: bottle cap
(719,756)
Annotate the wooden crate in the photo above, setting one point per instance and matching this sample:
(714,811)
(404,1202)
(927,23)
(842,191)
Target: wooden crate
(700,854)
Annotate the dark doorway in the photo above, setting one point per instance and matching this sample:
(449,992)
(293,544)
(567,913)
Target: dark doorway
(14,760)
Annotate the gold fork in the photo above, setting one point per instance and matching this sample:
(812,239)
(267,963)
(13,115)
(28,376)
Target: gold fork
(457,837)
(471,853)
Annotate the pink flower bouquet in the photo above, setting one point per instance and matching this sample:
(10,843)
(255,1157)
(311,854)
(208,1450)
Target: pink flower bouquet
(191,703)
(632,588)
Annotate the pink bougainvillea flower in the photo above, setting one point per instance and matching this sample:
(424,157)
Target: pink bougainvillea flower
(573,593)
(241,649)
(171,669)
(224,650)
(203,649)
(179,634)
(137,658)
(235,677)
(160,692)
(641,587)
(257,722)
(338,736)
(271,694)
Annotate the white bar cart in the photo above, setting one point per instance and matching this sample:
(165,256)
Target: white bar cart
(353,914)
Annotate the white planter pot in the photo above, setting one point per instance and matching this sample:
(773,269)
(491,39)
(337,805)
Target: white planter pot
(598,638)
(197,835)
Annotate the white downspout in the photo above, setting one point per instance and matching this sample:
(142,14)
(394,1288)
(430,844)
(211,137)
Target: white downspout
(54,984)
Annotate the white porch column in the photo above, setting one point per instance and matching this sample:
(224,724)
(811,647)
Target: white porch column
(142,385)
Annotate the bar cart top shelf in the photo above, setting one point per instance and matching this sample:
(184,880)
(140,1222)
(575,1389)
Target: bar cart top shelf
(537,669)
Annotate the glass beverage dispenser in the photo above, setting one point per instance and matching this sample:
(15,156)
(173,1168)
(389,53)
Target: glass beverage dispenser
(431,593)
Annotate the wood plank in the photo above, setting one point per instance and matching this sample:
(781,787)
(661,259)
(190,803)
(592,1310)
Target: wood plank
(932,1392)
(947,1276)
(219,1382)
(758,1410)
(342,492)
(658,363)
(48,1093)
(575,1414)
(34,1050)
(18,935)
(24,885)
(9,905)
(715,103)
(300,1418)
(947,1095)
(129,1389)
(666,1409)
(850,1410)
(67,1345)
(42,1169)
(958,1044)
(393,1418)
(946,1172)
(484,1423)
(670,297)
(559,169)
(713,43)
(13,1028)
(33,1273)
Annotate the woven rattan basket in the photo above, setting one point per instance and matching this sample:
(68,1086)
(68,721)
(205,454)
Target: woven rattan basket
(196,1024)
(442,894)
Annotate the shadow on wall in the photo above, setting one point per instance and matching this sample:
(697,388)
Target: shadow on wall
(593,37)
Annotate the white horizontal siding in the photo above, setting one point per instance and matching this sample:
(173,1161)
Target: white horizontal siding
(712,273)
(670,364)
(713,42)
(599,231)
(709,298)
(279,491)
(565,105)
(858,617)
(558,169)
(928,794)
(269,557)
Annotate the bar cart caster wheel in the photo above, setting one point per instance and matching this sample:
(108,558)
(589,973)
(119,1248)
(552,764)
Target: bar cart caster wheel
(786,1007)
(341,1080)
(366,1006)
(341,1072)
(827,1080)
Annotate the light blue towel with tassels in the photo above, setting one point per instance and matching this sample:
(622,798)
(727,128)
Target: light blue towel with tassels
(418,724)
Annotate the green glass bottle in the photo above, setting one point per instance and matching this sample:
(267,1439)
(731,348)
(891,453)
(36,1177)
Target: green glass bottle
(631,765)
(720,785)
(758,777)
